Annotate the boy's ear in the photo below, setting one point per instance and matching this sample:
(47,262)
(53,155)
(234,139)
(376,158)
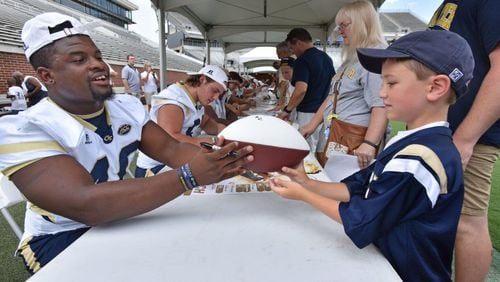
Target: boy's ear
(439,86)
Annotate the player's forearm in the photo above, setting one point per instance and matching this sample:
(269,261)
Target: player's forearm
(74,194)
(183,138)
(104,203)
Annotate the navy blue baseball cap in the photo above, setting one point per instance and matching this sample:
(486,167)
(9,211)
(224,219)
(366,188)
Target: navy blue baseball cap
(442,51)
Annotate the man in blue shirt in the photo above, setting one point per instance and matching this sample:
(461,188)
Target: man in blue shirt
(474,120)
(131,77)
(312,74)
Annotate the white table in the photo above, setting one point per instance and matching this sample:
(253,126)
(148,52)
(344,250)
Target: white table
(220,237)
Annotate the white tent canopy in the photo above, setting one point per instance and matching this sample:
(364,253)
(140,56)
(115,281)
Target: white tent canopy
(265,69)
(259,57)
(241,24)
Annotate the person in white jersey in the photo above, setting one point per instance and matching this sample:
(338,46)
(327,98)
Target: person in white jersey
(68,154)
(180,111)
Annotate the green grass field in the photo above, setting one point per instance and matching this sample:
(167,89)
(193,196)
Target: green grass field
(12,269)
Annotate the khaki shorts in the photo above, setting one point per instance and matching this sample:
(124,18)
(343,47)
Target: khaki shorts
(477,180)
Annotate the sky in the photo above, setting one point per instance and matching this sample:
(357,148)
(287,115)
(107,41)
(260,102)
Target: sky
(145,17)
(423,9)
(147,24)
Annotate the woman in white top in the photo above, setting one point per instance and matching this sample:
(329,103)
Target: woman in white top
(179,110)
(285,87)
(358,100)
(150,83)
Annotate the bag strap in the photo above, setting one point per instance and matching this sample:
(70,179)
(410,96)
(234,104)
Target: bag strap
(336,87)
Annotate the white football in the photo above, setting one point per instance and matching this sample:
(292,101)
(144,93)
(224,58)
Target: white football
(275,142)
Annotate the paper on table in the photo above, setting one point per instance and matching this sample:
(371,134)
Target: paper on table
(340,165)
(235,185)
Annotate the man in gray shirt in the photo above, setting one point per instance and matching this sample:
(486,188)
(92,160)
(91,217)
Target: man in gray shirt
(131,78)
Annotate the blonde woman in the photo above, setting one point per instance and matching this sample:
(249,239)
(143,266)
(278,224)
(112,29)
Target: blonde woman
(358,101)
(150,83)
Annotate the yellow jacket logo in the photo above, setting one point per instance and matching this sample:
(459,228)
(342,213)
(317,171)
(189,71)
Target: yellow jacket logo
(124,129)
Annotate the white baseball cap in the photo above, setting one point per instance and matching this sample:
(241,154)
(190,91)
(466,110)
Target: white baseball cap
(215,73)
(46,28)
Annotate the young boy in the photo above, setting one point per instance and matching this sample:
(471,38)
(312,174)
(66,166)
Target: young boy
(408,202)
(16,95)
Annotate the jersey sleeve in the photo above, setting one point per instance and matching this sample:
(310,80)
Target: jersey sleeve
(23,143)
(357,183)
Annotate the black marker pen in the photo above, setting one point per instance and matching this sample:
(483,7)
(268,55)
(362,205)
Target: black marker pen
(214,147)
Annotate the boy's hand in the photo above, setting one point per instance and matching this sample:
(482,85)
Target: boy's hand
(297,174)
(287,189)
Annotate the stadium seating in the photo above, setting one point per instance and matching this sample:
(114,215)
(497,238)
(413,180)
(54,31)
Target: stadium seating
(115,42)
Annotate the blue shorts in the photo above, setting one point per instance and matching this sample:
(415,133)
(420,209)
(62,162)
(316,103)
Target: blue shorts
(40,250)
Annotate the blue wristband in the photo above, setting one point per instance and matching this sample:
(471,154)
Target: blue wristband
(187,176)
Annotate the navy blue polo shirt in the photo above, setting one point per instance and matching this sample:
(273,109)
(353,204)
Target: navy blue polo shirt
(315,68)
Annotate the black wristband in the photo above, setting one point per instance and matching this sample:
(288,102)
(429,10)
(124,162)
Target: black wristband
(370,143)
(287,110)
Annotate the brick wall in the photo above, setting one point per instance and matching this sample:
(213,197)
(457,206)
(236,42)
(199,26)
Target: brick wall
(10,62)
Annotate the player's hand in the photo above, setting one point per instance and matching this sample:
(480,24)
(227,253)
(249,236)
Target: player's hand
(213,166)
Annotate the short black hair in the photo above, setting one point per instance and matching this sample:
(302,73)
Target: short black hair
(298,33)
(235,76)
(43,56)
(11,81)
(130,55)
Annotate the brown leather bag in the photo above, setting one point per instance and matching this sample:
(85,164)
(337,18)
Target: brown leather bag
(343,136)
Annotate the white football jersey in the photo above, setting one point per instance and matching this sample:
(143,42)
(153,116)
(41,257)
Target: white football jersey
(175,94)
(45,130)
